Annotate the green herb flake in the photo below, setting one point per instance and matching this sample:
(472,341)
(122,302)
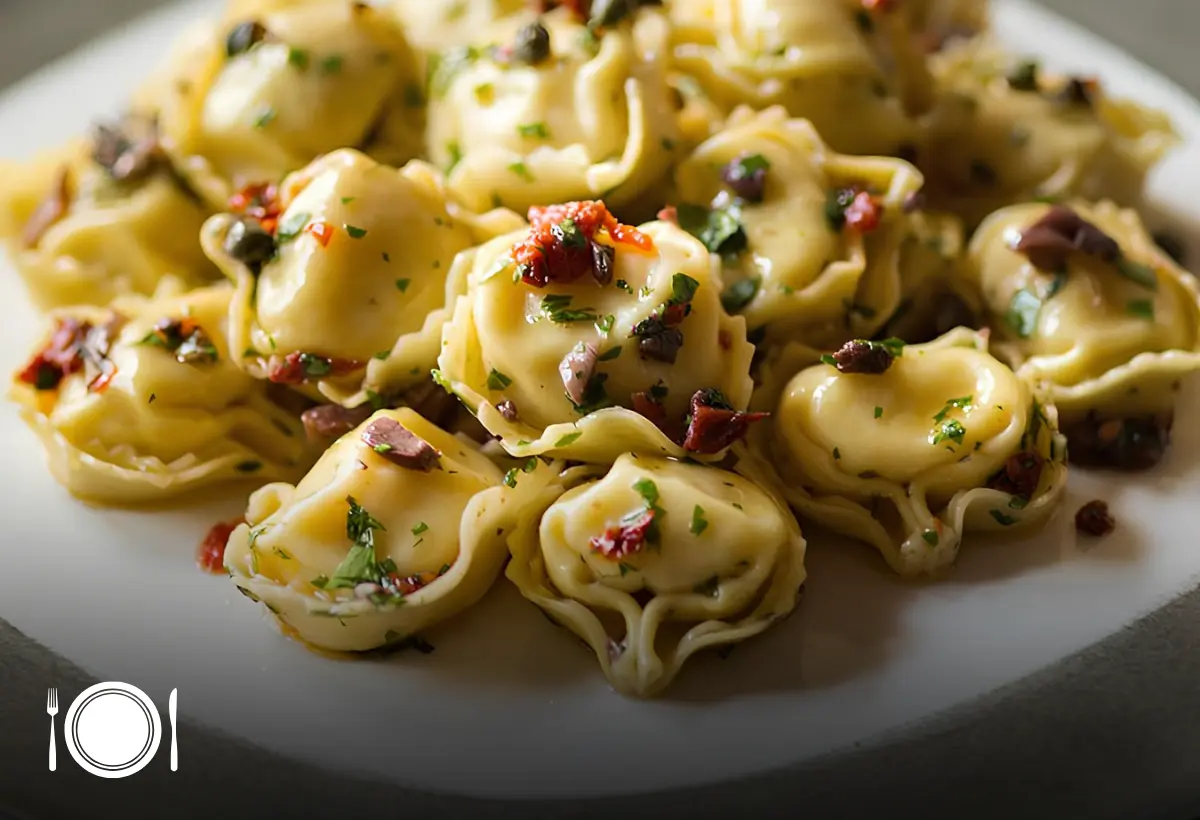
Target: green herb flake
(1002,519)
(1144,275)
(878,412)
(837,454)
(1023,313)
(931,537)
(557,308)
(735,297)
(497,380)
(623,285)
(265,118)
(522,170)
(648,490)
(420,528)
(534,130)
(720,229)
(382,355)
(298,58)
(355,233)
(248,466)
(413,96)
(605,324)
(699,522)
(683,289)
(333,64)
(454,150)
(292,225)
(626,568)
(963,403)
(949,430)
(510,478)
(1142,308)
(609,355)
(568,439)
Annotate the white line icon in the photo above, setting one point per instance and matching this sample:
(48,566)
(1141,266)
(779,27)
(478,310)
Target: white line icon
(171,706)
(52,710)
(111,730)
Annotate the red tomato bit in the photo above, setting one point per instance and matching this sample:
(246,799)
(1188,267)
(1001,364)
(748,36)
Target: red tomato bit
(210,557)
(298,368)
(259,201)
(60,357)
(320,231)
(626,538)
(715,424)
(562,246)
(864,213)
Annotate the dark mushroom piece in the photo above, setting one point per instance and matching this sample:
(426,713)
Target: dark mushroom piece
(331,421)
(400,446)
(577,369)
(1093,518)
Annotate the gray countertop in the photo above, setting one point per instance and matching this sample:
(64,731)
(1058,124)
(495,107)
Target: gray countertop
(1129,703)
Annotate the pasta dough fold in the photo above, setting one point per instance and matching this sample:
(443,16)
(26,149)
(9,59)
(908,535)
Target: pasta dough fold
(945,441)
(141,402)
(365,552)
(651,560)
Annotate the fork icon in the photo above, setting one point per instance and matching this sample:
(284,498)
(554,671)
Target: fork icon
(52,710)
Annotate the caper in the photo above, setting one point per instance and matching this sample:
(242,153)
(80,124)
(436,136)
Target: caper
(608,13)
(248,243)
(533,44)
(244,37)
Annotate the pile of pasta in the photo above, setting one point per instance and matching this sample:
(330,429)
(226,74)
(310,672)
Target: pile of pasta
(601,297)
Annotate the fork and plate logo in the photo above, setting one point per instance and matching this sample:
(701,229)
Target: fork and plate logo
(111,729)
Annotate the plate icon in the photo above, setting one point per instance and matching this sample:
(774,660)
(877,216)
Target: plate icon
(112,729)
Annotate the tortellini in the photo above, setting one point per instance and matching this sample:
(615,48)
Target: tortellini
(142,402)
(802,229)
(351,295)
(433,25)
(555,368)
(652,560)
(859,76)
(81,233)
(1110,332)
(280,88)
(545,111)
(1005,131)
(370,547)
(911,456)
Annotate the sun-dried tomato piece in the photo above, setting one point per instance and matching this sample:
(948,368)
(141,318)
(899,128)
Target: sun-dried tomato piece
(1094,518)
(646,405)
(562,247)
(1020,475)
(408,584)
(864,213)
(210,557)
(259,201)
(626,538)
(298,368)
(715,424)
(61,356)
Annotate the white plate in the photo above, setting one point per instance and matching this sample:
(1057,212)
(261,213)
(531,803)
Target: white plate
(112,729)
(509,705)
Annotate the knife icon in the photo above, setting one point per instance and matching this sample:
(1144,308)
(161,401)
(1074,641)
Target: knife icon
(171,707)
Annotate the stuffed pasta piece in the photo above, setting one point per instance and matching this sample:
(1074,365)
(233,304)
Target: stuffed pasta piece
(283,85)
(434,25)
(811,240)
(911,448)
(1005,130)
(142,401)
(651,560)
(344,280)
(584,338)
(552,109)
(858,75)
(101,217)
(399,525)
(1083,300)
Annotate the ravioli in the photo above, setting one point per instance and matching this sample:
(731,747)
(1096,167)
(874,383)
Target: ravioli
(141,402)
(910,448)
(587,365)
(549,110)
(860,77)
(652,560)
(347,298)
(1004,130)
(81,235)
(287,84)
(1111,336)
(369,549)
(801,228)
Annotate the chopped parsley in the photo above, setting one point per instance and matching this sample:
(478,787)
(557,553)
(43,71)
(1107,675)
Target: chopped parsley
(1023,313)
(623,285)
(878,412)
(1144,275)
(510,478)
(360,564)
(497,380)
(699,522)
(333,64)
(735,297)
(521,170)
(949,430)
(557,307)
(249,466)
(609,355)
(456,155)
(420,527)
(568,439)
(931,537)
(534,130)
(648,490)
(683,289)
(265,117)
(720,229)
(298,58)
(963,403)
(1024,76)
(315,366)
(1143,308)
(292,226)
(1004,520)
(402,284)
(355,233)
(605,324)
(748,166)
